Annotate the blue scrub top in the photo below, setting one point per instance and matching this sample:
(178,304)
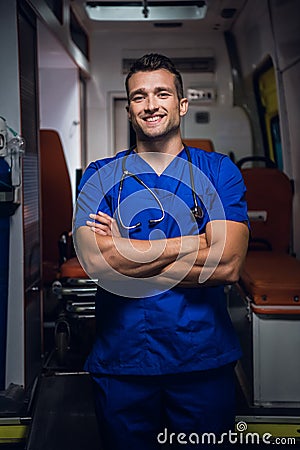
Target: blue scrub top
(181,329)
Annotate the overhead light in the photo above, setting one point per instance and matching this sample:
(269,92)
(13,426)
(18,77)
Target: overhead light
(146,10)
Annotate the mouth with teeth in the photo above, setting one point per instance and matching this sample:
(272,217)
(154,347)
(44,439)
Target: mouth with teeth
(153,120)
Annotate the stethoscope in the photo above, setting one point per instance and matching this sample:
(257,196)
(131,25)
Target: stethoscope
(196,209)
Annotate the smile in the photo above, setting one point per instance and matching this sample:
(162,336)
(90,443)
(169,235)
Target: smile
(153,119)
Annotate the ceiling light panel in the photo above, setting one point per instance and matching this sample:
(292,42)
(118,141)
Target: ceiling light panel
(146,10)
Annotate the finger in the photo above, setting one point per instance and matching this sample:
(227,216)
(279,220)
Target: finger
(102,227)
(99,227)
(101,218)
(102,214)
(104,217)
(98,231)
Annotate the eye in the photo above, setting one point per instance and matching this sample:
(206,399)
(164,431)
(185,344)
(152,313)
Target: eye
(137,98)
(164,94)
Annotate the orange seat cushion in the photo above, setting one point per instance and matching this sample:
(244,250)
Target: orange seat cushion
(72,269)
(272,278)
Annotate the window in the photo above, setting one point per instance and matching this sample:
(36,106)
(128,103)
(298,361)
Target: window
(267,103)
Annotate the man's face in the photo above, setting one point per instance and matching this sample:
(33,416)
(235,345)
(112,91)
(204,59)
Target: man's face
(154,108)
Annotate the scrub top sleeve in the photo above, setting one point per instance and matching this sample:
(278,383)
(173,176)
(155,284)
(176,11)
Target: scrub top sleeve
(89,171)
(232,190)
(91,197)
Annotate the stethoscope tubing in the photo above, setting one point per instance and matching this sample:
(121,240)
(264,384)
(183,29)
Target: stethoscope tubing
(125,174)
(196,209)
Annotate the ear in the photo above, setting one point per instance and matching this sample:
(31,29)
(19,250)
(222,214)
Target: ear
(183,106)
(128,112)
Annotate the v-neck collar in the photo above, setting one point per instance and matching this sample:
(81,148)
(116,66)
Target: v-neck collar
(150,168)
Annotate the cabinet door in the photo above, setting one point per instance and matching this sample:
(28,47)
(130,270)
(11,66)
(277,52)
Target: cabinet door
(31,189)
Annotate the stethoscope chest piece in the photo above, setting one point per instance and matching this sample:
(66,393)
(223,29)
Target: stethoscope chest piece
(197,212)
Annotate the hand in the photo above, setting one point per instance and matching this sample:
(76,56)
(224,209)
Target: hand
(103,224)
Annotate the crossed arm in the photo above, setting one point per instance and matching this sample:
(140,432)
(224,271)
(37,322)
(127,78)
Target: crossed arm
(212,258)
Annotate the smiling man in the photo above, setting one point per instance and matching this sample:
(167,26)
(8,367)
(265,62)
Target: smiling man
(168,231)
(155,108)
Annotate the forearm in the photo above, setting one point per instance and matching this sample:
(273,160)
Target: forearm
(219,262)
(134,258)
(210,259)
(206,271)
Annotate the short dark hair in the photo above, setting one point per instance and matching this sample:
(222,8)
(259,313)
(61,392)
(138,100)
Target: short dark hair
(155,61)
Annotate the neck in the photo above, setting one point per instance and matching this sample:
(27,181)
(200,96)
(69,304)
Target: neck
(170,147)
(159,154)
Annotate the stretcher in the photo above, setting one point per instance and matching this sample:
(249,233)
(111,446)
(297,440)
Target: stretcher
(267,314)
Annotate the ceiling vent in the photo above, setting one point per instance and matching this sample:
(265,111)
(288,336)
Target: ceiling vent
(228,13)
(187,65)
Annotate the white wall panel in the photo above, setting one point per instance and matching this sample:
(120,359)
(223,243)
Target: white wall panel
(60,110)
(107,51)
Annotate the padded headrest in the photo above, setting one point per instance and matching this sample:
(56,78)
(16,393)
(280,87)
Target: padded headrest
(204,144)
(56,198)
(270,190)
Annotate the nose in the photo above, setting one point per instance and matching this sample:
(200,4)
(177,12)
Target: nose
(151,104)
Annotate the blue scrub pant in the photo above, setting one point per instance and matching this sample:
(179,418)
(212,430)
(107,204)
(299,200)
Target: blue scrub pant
(149,413)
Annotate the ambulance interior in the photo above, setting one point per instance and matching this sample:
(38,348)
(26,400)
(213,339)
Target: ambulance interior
(240,67)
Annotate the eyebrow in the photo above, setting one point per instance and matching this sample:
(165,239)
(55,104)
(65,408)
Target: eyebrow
(156,90)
